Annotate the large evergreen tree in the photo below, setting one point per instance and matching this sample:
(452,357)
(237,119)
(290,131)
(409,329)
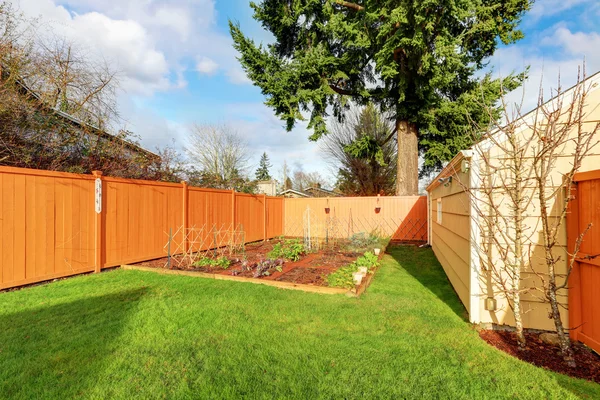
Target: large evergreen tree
(262,173)
(418,60)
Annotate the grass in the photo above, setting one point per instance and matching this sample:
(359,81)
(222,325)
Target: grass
(126,334)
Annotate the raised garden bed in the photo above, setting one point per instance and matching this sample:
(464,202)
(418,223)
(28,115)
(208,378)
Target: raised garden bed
(283,263)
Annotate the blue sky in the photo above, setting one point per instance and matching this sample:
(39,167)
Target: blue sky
(178,67)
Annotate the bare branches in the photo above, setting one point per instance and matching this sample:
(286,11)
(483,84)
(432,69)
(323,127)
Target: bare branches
(526,169)
(219,150)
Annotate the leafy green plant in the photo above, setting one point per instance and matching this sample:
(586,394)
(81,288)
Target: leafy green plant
(221,262)
(368,260)
(290,249)
(343,276)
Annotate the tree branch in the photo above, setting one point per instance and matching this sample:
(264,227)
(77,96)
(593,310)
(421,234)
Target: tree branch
(342,91)
(348,4)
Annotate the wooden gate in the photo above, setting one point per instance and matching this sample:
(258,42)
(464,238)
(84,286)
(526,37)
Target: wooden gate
(584,281)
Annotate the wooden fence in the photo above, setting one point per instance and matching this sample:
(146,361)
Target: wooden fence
(404,218)
(50,226)
(584,280)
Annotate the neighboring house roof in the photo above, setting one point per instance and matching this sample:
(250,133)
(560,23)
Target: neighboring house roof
(292,191)
(325,191)
(451,167)
(75,121)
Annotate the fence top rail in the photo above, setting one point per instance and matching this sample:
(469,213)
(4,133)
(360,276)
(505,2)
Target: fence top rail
(140,182)
(256,196)
(354,198)
(587,176)
(201,189)
(43,172)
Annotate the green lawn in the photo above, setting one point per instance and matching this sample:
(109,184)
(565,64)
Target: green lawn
(125,334)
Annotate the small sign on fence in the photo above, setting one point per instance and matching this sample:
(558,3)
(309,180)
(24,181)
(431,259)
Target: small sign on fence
(98,196)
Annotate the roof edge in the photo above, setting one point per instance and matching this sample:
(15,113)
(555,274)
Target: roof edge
(449,169)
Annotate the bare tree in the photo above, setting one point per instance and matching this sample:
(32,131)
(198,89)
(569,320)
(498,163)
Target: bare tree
(561,127)
(521,199)
(56,105)
(218,150)
(286,181)
(71,80)
(359,151)
(303,180)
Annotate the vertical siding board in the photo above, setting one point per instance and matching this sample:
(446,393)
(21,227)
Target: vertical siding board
(18,268)
(49,231)
(2,227)
(8,240)
(31,218)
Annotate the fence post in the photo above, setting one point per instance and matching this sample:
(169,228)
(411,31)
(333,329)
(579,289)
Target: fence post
(265,217)
(574,294)
(185,216)
(233,210)
(98,226)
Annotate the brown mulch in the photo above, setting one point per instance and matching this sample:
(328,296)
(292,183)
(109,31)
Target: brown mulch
(306,276)
(545,355)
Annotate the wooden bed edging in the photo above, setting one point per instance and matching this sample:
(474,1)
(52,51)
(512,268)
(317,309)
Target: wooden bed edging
(278,284)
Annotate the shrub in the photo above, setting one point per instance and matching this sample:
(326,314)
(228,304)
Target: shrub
(288,249)
(363,239)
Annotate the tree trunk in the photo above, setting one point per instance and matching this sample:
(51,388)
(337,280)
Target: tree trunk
(563,337)
(407,178)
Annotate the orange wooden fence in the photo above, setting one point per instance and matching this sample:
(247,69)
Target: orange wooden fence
(404,218)
(49,227)
(584,280)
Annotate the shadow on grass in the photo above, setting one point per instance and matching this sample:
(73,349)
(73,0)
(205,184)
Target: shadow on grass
(60,351)
(422,264)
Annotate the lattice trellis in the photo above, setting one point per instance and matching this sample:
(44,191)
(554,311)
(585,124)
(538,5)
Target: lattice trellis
(186,247)
(322,227)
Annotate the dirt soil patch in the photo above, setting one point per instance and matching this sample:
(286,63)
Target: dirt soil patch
(545,355)
(310,269)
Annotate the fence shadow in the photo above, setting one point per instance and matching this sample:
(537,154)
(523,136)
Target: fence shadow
(422,265)
(413,227)
(48,349)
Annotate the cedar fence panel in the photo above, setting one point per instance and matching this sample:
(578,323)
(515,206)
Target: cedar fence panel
(46,225)
(137,218)
(403,218)
(49,227)
(584,279)
(250,215)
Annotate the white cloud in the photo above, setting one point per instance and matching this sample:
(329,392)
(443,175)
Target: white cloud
(206,66)
(264,132)
(546,8)
(557,56)
(579,44)
(238,76)
(124,43)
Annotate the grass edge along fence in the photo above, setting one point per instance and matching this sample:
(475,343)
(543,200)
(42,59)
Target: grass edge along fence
(57,224)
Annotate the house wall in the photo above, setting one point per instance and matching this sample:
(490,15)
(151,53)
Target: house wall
(460,242)
(450,239)
(535,310)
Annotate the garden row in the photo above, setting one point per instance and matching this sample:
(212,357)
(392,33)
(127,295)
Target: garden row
(330,263)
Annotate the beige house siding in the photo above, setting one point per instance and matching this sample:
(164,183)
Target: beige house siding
(452,239)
